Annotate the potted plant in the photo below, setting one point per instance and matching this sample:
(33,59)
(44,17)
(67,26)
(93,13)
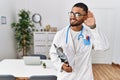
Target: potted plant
(23,30)
(44,65)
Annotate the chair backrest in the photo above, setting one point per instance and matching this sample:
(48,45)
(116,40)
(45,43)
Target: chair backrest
(40,55)
(7,77)
(49,77)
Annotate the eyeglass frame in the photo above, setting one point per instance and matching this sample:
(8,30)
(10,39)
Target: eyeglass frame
(76,15)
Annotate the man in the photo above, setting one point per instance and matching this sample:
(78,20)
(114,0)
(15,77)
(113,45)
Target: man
(77,40)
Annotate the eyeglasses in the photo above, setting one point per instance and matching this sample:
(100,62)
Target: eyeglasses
(77,15)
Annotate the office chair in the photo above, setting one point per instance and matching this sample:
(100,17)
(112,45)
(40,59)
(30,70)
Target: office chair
(7,77)
(40,55)
(49,77)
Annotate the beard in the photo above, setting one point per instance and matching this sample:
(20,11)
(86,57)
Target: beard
(76,22)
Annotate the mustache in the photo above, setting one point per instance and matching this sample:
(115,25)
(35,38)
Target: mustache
(73,19)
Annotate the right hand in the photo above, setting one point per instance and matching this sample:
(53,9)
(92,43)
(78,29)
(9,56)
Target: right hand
(66,67)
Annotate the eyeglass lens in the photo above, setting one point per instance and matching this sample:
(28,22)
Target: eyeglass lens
(74,14)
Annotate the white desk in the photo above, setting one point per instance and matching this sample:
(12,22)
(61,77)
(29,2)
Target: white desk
(17,68)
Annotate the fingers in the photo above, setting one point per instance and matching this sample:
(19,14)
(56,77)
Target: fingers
(90,20)
(90,14)
(66,65)
(67,68)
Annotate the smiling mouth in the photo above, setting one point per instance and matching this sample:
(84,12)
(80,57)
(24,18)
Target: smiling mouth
(73,20)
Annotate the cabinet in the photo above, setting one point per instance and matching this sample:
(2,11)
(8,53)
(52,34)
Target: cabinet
(42,42)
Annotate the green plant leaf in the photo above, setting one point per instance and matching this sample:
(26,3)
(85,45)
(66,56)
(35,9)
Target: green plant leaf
(23,30)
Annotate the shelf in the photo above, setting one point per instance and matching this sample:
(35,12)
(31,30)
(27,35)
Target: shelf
(42,42)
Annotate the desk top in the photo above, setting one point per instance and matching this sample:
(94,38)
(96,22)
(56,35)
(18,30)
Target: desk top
(17,68)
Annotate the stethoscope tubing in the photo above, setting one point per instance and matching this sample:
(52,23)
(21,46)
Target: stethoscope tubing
(79,36)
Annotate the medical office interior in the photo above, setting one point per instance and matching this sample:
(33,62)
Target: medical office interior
(55,14)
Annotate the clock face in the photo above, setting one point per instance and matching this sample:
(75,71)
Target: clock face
(36,18)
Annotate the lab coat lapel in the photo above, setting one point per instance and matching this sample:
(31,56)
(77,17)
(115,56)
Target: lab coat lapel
(70,43)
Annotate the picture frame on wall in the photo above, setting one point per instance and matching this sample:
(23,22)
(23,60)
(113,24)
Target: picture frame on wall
(3,20)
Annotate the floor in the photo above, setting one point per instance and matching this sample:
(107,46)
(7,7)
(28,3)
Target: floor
(106,72)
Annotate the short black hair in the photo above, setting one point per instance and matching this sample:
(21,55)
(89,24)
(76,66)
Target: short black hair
(82,5)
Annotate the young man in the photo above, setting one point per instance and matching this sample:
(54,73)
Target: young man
(77,40)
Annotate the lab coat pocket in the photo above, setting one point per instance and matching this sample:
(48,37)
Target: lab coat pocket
(86,42)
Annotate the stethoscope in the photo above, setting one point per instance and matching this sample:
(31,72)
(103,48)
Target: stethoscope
(79,36)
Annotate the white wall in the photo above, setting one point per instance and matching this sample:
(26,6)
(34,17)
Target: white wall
(116,41)
(7,43)
(55,13)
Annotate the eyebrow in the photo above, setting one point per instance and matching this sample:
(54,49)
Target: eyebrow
(76,12)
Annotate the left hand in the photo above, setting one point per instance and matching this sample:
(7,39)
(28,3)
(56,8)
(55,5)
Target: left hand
(90,21)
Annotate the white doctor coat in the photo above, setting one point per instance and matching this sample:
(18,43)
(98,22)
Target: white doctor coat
(79,58)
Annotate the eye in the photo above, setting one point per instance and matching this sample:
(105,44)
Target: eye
(77,15)
(70,13)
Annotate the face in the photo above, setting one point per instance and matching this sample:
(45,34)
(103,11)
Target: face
(77,16)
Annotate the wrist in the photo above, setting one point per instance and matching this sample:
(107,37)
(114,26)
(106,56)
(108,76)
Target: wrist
(93,26)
